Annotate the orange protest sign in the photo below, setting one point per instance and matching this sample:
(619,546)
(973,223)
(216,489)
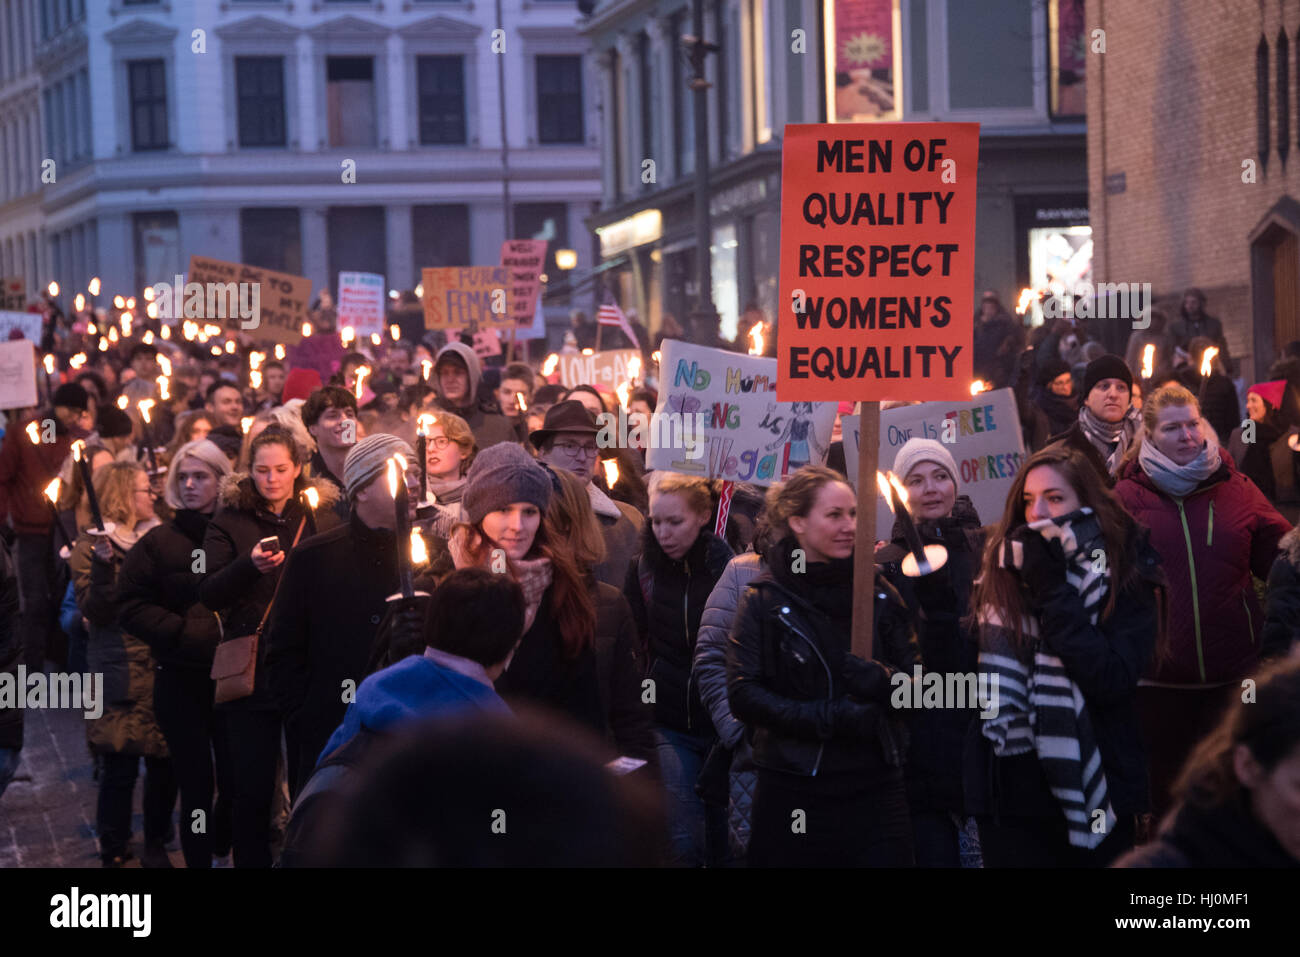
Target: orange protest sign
(877,261)
(466,297)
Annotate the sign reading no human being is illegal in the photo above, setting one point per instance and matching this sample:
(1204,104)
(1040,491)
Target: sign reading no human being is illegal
(877,261)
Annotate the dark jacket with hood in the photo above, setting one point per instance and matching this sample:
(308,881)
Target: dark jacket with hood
(809,706)
(667,599)
(11,648)
(484,418)
(1282,600)
(332,598)
(1225,836)
(939,604)
(1211,542)
(1268,461)
(159,594)
(1105,661)
(1077,439)
(233,587)
(25,470)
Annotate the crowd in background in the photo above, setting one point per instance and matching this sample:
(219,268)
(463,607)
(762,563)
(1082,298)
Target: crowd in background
(577,663)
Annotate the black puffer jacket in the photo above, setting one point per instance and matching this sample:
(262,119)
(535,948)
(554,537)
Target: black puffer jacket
(159,595)
(667,599)
(1282,601)
(809,706)
(233,587)
(939,605)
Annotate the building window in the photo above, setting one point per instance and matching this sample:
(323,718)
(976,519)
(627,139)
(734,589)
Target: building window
(547,221)
(271,239)
(1068,55)
(1283,96)
(157,248)
(647,98)
(615,108)
(1261,101)
(439,236)
(350,94)
(147,81)
(357,240)
(259,82)
(441,81)
(559,99)
(683,100)
(990,58)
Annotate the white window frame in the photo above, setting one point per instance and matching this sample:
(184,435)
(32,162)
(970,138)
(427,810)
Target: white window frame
(259,36)
(143,40)
(557,41)
(348,36)
(442,36)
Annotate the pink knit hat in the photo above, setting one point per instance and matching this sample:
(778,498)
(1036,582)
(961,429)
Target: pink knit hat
(1270,392)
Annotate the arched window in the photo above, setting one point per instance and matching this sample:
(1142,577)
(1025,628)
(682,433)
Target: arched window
(1261,103)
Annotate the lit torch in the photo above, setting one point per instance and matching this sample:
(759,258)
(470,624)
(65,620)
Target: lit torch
(756,339)
(144,405)
(83,463)
(397,488)
(548,367)
(423,423)
(920,559)
(426,366)
(978,386)
(279,351)
(611,472)
(362,372)
(163,389)
(1148,360)
(1207,360)
(52,498)
(395,331)
(634,369)
(246,423)
(1027,298)
(347,334)
(34,432)
(306,330)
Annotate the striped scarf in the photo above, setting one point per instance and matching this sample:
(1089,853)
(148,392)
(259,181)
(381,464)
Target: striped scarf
(1041,709)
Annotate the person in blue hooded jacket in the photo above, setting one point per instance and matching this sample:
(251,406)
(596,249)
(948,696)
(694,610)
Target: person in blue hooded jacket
(473,624)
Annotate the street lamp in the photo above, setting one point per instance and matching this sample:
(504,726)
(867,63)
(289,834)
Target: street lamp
(566,259)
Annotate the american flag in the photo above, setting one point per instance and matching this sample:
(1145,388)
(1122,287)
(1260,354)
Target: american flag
(610,315)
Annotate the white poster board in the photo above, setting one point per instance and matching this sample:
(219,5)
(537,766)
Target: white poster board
(608,368)
(28,322)
(361,303)
(748,436)
(17,374)
(987,446)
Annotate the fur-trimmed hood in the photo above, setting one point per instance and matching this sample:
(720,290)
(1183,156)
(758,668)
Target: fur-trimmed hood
(1290,546)
(237,492)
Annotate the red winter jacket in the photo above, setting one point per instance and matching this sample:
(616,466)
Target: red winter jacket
(25,470)
(1211,542)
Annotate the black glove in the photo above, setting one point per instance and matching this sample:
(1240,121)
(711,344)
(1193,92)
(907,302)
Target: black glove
(867,680)
(855,720)
(406,627)
(1044,566)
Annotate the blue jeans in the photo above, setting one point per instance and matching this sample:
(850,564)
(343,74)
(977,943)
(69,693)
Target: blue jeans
(697,833)
(8,767)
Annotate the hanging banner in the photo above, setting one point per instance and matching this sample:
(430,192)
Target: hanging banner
(466,296)
(986,443)
(13,294)
(877,261)
(265,305)
(608,368)
(28,323)
(361,303)
(17,375)
(526,261)
(730,402)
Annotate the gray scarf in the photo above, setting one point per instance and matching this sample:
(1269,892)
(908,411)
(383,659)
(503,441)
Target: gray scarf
(1105,434)
(1178,481)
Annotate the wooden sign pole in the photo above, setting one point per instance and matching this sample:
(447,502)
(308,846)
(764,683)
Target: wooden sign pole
(864,550)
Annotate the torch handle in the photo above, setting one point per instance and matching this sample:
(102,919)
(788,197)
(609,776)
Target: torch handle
(96,516)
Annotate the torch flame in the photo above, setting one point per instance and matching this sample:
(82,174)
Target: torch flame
(166,332)
(230,346)
(103,345)
(34,433)
(148,336)
(255,359)
(523,404)
(362,372)
(165,364)
(144,405)
(392,476)
(123,402)
(426,366)
(78,360)
(887,481)
(279,351)
(756,341)
(424,421)
(246,423)
(119,302)
(654,357)
(611,472)
(112,333)
(163,392)
(52,288)
(375,338)
(149,294)
(395,331)
(255,379)
(91,329)
(49,364)
(306,329)
(77,446)
(52,491)
(1207,359)
(634,368)
(622,391)
(1148,359)
(548,367)
(419,553)
(126,324)
(79,302)
(588,352)
(348,334)
(312,496)
(978,386)
(1027,296)
(94,286)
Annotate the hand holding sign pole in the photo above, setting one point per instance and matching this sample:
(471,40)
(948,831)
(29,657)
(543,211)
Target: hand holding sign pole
(877,266)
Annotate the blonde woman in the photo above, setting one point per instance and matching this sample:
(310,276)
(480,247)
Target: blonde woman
(127,729)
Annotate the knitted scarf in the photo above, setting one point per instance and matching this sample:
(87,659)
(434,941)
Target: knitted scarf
(533,575)
(1105,434)
(1178,481)
(1041,709)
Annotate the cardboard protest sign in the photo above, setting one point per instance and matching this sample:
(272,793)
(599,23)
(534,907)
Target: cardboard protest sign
(464,296)
(487,342)
(987,446)
(607,368)
(537,330)
(13,294)
(237,295)
(877,261)
(361,303)
(748,435)
(17,374)
(29,323)
(526,261)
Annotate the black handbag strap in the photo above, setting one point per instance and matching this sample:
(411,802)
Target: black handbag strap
(269,605)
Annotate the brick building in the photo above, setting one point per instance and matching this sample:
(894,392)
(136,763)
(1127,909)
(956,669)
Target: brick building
(1184,95)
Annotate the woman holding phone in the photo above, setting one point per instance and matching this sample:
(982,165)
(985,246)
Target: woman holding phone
(261,516)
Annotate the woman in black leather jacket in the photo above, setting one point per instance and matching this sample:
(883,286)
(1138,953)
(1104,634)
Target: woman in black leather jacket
(828,749)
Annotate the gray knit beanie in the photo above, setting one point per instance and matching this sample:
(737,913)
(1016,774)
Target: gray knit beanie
(916,451)
(369,457)
(502,474)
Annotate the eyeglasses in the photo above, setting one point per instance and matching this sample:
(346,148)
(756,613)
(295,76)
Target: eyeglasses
(576,450)
(439,442)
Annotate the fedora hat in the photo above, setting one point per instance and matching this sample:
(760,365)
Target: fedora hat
(567,416)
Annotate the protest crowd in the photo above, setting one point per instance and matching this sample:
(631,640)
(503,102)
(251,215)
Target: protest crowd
(387,601)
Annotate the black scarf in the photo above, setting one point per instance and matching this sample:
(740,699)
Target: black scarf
(826,586)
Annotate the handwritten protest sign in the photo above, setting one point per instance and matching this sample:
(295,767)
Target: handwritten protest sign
(877,260)
(361,303)
(526,261)
(29,323)
(17,374)
(487,342)
(748,435)
(607,368)
(986,444)
(13,294)
(281,301)
(464,296)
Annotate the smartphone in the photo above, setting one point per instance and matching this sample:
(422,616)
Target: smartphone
(270,545)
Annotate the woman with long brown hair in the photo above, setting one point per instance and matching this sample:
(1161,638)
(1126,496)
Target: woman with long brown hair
(1068,613)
